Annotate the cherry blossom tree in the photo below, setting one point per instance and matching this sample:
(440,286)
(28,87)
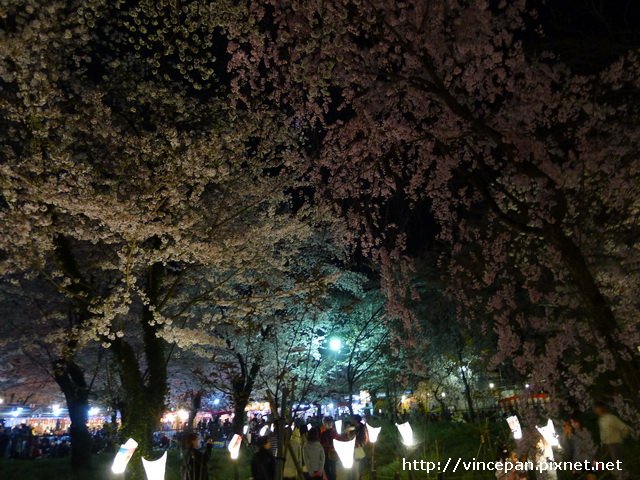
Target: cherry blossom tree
(464,115)
(144,206)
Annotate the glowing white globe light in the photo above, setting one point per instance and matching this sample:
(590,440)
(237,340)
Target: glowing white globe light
(335,344)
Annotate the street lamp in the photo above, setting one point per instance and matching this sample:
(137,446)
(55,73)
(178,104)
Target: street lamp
(335,344)
(492,385)
(373,438)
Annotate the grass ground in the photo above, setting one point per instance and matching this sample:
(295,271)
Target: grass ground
(436,442)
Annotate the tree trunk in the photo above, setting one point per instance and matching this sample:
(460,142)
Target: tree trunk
(196,404)
(70,378)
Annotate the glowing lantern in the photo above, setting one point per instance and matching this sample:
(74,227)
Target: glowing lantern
(514,425)
(548,432)
(339,427)
(245,429)
(263,431)
(345,451)
(373,433)
(407,433)
(123,456)
(155,469)
(309,427)
(234,446)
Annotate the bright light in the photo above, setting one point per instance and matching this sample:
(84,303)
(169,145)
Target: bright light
(345,451)
(264,430)
(183,415)
(234,446)
(55,408)
(245,429)
(406,432)
(548,432)
(123,456)
(330,406)
(155,469)
(527,386)
(373,433)
(338,425)
(16,412)
(492,385)
(404,398)
(309,427)
(1,400)
(335,344)
(514,425)
(93,411)
(216,401)
(443,394)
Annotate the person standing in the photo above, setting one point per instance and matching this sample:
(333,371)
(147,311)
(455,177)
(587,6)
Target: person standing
(313,454)
(583,448)
(293,456)
(330,455)
(195,462)
(263,463)
(613,433)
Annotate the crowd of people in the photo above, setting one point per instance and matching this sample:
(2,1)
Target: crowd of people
(19,442)
(578,448)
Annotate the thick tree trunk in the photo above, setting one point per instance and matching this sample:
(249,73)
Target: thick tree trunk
(70,378)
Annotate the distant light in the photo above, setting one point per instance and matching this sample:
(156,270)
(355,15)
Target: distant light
(264,430)
(245,429)
(183,415)
(309,426)
(335,344)
(216,401)
(16,412)
(1,400)
(338,426)
(443,394)
(404,398)
(330,406)
(93,411)
(56,409)
(527,386)
(492,385)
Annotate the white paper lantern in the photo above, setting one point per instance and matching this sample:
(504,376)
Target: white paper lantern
(345,451)
(548,432)
(234,446)
(339,427)
(514,425)
(155,468)
(373,433)
(123,456)
(406,432)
